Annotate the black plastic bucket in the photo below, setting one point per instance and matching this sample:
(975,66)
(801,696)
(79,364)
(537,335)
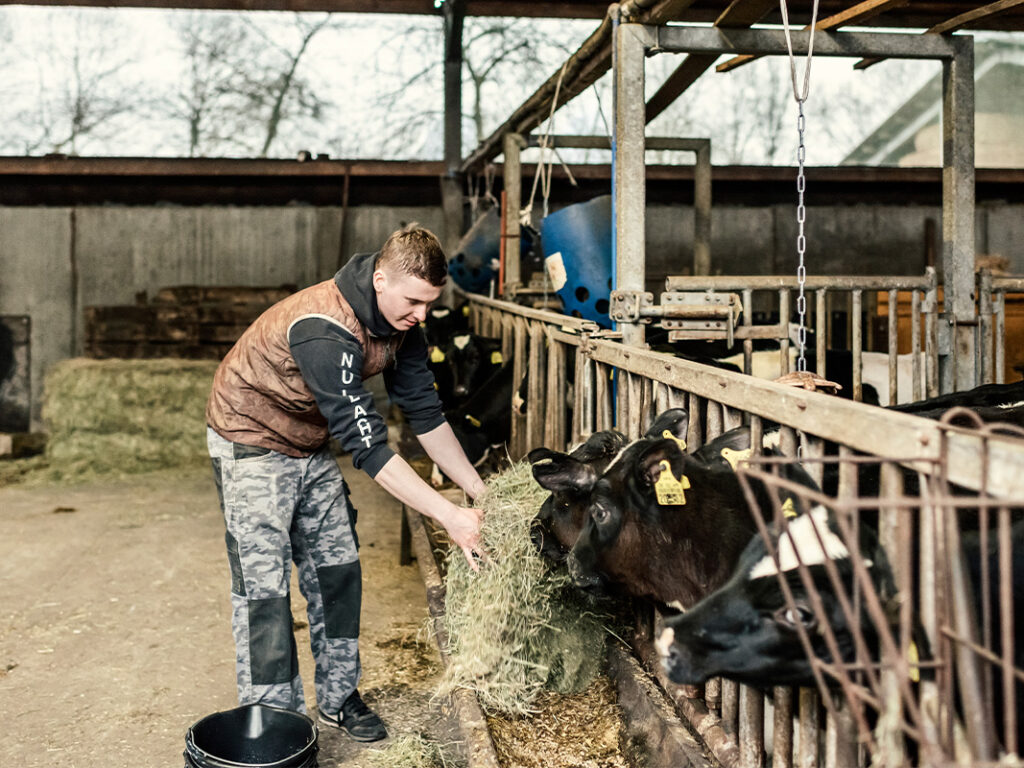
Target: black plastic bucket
(253,736)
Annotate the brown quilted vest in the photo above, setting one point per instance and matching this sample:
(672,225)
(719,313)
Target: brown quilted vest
(259,396)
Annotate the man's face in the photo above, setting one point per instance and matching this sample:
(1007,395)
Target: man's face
(403,299)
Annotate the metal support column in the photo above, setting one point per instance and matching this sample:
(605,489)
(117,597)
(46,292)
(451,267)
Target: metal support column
(512,170)
(958,212)
(451,184)
(629,180)
(702,211)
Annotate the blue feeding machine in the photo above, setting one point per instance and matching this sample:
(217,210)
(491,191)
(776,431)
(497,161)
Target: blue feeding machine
(577,243)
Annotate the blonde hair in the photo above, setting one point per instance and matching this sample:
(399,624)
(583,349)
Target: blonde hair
(416,251)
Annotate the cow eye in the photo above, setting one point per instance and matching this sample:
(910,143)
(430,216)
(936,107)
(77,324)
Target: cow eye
(796,616)
(600,515)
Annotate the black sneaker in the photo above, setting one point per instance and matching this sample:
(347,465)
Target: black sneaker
(357,720)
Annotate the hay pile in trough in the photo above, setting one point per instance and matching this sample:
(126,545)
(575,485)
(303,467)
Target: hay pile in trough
(518,626)
(584,730)
(123,417)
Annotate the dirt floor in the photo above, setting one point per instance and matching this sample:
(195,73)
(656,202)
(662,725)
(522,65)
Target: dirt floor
(115,631)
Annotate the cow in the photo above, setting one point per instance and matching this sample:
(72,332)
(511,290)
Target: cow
(483,421)
(443,322)
(571,476)
(747,631)
(472,360)
(664,524)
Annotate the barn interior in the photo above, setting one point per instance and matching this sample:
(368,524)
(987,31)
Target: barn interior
(126,280)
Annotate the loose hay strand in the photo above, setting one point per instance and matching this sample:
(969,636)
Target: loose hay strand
(518,626)
(410,750)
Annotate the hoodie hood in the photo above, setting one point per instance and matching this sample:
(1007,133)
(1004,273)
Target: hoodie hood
(355,281)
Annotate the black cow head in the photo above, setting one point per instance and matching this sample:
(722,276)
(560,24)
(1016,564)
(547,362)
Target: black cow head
(471,360)
(570,478)
(612,539)
(745,630)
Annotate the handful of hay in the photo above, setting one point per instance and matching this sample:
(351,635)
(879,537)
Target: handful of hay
(122,417)
(519,625)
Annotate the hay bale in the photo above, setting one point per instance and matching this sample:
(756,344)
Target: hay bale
(409,751)
(123,417)
(518,626)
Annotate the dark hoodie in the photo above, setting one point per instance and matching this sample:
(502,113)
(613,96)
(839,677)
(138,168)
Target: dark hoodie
(328,355)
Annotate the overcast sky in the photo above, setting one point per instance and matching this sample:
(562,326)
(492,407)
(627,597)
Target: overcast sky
(350,65)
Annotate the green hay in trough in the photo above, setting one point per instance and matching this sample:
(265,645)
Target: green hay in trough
(113,418)
(518,626)
(409,751)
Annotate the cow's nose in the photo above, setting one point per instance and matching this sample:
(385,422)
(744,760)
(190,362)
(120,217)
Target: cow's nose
(580,577)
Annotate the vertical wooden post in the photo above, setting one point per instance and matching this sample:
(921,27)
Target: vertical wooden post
(702,210)
(513,177)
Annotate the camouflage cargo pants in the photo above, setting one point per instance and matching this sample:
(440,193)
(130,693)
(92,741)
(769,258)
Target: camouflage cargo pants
(279,509)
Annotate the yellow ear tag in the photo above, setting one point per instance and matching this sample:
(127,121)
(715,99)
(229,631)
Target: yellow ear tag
(475,422)
(669,436)
(669,490)
(914,660)
(735,457)
(496,358)
(788,508)
(436,355)
(465,310)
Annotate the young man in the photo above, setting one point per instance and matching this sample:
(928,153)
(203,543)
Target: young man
(293,380)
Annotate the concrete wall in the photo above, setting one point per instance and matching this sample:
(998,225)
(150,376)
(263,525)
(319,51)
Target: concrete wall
(57,260)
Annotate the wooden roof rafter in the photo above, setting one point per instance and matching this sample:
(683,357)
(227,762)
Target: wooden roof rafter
(854,15)
(960,21)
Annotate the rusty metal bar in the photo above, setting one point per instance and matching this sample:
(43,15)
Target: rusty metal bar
(784,314)
(893,347)
(775,282)
(1000,337)
(857,344)
(915,346)
(985,346)
(931,338)
(820,331)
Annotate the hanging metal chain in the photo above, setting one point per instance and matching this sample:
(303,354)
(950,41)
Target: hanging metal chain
(800,94)
(801,239)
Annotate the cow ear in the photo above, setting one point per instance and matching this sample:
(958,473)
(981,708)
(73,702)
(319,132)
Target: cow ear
(649,467)
(737,439)
(600,444)
(560,472)
(675,420)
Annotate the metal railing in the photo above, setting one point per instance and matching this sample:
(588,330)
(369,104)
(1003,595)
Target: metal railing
(571,363)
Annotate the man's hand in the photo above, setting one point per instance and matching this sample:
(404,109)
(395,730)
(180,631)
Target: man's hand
(463,526)
(462,523)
